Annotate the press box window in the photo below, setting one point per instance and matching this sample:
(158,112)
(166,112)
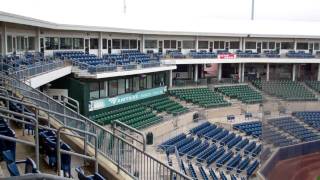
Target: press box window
(52,43)
(78,43)
(150,44)
(287,45)
(234,45)
(65,43)
(115,43)
(104,43)
(251,45)
(188,45)
(31,44)
(9,43)
(203,44)
(94,44)
(125,44)
(133,44)
(302,46)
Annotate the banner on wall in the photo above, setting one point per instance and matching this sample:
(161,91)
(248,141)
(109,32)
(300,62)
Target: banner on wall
(227,56)
(125,98)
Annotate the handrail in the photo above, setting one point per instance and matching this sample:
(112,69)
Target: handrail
(59,151)
(114,126)
(72,100)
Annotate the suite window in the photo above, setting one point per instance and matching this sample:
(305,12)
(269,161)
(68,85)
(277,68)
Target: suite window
(251,45)
(9,43)
(78,43)
(316,46)
(188,44)
(218,44)
(31,44)
(287,45)
(143,82)
(20,43)
(150,44)
(102,88)
(94,90)
(115,43)
(203,44)
(65,43)
(173,44)
(265,45)
(104,43)
(94,43)
(121,86)
(128,85)
(149,81)
(113,88)
(167,44)
(125,44)
(133,44)
(272,45)
(135,84)
(234,45)
(52,43)
(170,44)
(302,46)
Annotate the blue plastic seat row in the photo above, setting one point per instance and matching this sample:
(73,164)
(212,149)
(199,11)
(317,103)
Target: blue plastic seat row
(234,162)
(185,149)
(205,154)
(223,159)
(252,167)
(194,152)
(213,157)
(172,141)
(206,130)
(203,173)
(200,127)
(192,171)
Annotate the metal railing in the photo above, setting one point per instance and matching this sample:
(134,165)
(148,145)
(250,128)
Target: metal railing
(125,155)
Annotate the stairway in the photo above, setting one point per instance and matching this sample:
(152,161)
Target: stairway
(317,94)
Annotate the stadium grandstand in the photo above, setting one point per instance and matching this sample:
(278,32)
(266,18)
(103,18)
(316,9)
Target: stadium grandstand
(89,102)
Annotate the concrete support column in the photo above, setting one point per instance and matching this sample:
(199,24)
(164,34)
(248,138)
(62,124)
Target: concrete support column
(219,72)
(295,45)
(318,78)
(242,72)
(4,39)
(100,45)
(293,72)
(142,45)
(170,78)
(197,43)
(37,40)
(239,72)
(196,73)
(268,72)
(190,71)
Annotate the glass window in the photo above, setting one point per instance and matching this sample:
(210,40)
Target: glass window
(103,92)
(94,43)
(65,43)
(104,43)
(203,44)
(9,43)
(173,44)
(78,43)
(143,82)
(216,45)
(113,88)
(94,90)
(251,45)
(167,44)
(272,45)
(316,46)
(121,86)
(265,45)
(188,44)
(128,85)
(31,43)
(221,45)
(133,44)
(125,44)
(135,84)
(287,45)
(150,44)
(302,46)
(52,43)
(149,81)
(115,43)
(234,44)
(20,43)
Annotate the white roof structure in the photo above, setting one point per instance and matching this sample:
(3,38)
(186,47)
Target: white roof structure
(198,27)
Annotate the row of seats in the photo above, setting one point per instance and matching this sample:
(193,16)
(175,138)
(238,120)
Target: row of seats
(244,93)
(276,138)
(289,125)
(202,54)
(132,114)
(285,89)
(250,128)
(163,103)
(175,54)
(247,54)
(200,96)
(314,85)
(299,54)
(310,117)
(272,53)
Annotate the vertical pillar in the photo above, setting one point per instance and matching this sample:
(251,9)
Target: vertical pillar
(196,73)
(219,71)
(37,40)
(170,78)
(268,71)
(100,45)
(242,73)
(239,73)
(4,39)
(142,44)
(318,72)
(190,71)
(293,72)
(295,45)
(197,43)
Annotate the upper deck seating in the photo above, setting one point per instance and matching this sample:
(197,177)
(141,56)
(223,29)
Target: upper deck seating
(272,54)
(299,54)
(200,96)
(243,92)
(202,54)
(175,54)
(247,54)
(286,89)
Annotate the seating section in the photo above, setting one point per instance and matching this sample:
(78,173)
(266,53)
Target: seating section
(175,54)
(299,54)
(272,54)
(272,136)
(164,103)
(247,54)
(200,96)
(203,54)
(223,148)
(244,93)
(285,89)
(250,128)
(294,128)
(310,117)
(82,176)
(132,114)
(314,85)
